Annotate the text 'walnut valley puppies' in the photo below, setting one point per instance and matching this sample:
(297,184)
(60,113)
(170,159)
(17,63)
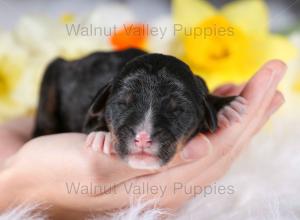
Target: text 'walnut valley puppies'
(151,104)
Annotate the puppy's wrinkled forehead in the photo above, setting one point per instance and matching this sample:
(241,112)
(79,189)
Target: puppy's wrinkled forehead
(148,84)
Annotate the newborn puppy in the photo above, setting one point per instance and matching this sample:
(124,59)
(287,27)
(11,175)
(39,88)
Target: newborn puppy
(152,104)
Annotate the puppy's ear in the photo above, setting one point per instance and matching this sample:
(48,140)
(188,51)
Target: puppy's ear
(211,122)
(95,120)
(212,104)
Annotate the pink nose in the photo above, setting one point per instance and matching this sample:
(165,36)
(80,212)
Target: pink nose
(143,140)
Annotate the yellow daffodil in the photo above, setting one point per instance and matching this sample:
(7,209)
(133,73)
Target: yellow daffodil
(227,45)
(12,62)
(67,18)
(25,53)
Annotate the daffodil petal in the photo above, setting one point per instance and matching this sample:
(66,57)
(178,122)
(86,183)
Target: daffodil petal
(249,15)
(279,47)
(190,12)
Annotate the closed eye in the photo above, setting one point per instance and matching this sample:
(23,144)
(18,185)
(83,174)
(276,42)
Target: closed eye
(177,111)
(173,106)
(122,104)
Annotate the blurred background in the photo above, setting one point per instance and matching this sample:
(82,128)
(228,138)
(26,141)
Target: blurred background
(34,32)
(13,10)
(222,41)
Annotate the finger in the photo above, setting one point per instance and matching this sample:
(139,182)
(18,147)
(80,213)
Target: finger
(236,91)
(211,174)
(107,144)
(98,142)
(229,90)
(197,148)
(187,160)
(221,90)
(262,86)
(90,138)
(258,93)
(277,101)
(263,116)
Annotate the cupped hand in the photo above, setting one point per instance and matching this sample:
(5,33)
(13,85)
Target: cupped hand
(207,157)
(45,168)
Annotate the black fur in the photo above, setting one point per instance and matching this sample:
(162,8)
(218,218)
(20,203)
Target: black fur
(114,90)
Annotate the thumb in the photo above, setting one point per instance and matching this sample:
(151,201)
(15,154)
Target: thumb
(197,148)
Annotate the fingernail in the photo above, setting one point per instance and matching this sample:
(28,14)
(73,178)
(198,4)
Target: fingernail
(197,148)
(278,69)
(90,139)
(270,73)
(95,144)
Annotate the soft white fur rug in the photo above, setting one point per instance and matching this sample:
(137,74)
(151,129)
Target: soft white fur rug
(266,180)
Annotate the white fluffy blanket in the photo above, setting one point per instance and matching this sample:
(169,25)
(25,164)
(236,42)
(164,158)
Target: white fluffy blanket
(266,180)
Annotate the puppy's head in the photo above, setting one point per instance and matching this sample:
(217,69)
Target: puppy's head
(152,108)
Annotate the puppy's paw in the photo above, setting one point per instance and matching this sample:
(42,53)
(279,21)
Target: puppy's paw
(100,142)
(232,113)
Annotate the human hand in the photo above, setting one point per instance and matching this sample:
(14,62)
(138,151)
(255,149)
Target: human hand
(44,169)
(46,164)
(209,156)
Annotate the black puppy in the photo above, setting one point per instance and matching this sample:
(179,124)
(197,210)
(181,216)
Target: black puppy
(152,104)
